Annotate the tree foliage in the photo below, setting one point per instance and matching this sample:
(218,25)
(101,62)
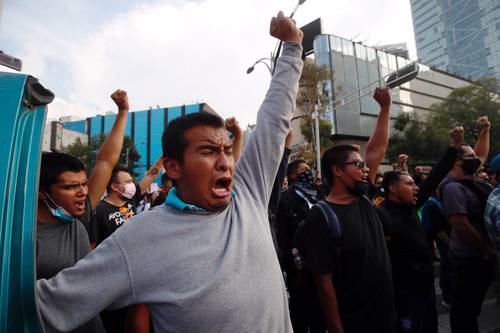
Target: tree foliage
(308,98)
(425,139)
(87,153)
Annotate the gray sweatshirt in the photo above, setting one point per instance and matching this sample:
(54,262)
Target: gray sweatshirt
(196,271)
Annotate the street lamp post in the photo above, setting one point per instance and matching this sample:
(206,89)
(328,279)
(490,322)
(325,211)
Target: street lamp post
(275,54)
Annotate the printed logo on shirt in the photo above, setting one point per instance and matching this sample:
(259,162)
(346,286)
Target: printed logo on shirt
(122,215)
(406,324)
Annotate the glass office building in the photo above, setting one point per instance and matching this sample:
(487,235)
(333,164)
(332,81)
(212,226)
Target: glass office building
(144,127)
(355,70)
(461,36)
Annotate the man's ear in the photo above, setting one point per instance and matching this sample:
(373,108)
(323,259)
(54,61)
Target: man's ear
(41,194)
(172,168)
(393,188)
(337,171)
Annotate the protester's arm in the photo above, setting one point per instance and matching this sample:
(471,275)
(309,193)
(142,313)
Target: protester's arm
(460,223)
(441,169)
(482,147)
(151,175)
(280,176)
(328,300)
(442,236)
(77,294)
(377,145)
(258,165)
(234,128)
(110,151)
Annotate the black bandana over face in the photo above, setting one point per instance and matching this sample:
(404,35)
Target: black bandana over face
(305,184)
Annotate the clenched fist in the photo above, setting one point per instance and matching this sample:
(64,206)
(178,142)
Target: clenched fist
(484,122)
(121,99)
(284,29)
(456,136)
(383,97)
(233,126)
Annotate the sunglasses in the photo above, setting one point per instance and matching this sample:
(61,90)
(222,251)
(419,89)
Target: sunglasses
(358,164)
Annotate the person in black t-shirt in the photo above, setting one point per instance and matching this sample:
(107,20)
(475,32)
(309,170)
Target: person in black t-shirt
(353,273)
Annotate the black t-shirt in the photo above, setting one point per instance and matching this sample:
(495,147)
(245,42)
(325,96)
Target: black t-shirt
(109,217)
(359,264)
(411,257)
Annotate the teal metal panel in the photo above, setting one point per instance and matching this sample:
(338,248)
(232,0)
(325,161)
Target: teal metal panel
(20,147)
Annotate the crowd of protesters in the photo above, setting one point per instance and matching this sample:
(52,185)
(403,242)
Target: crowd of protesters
(242,240)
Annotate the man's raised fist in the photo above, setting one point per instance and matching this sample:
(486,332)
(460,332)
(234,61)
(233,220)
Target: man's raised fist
(284,29)
(121,99)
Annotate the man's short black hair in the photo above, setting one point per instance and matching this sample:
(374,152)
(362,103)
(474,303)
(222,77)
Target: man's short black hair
(293,166)
(336,156)
(164,178)
(391,178)
(173,141)
(114,176)
(53,164)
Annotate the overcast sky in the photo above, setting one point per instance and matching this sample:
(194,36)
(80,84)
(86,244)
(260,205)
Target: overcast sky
(171,52)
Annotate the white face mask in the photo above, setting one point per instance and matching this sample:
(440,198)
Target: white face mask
(129,190)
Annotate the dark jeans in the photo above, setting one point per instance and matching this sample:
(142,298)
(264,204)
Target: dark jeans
(416,311)
(305,309)
(445,275)
(471,279)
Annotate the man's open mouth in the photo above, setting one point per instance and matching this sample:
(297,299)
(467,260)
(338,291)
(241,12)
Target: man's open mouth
(222,187)
(80,205)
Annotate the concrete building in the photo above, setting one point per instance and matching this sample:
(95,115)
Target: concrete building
(355,70)
(461,37)
(56,137)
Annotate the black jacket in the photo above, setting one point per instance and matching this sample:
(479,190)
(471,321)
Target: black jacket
(292,210)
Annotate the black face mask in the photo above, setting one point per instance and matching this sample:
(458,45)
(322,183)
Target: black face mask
(360,187)
(471,166)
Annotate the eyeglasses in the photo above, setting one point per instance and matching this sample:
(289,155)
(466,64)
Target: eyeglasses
(358,164)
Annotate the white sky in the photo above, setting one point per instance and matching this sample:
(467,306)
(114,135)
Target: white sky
(170,52)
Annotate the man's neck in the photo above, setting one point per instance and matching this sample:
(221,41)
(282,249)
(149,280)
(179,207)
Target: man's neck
(455,173)
(43,214)
(115,199)
(340,195)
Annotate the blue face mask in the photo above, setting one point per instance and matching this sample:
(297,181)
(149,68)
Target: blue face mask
(59,212)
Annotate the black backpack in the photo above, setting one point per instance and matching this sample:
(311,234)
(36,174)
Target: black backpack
(481,189)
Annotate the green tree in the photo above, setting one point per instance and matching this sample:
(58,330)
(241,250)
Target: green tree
(87,152)
(425,139)
(309,98)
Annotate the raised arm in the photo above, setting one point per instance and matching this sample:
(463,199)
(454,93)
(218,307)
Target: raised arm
(280,176)
(482,147)
(441,169)
(377,145)
(258,165)
(233,127)
(151,175)
(110,150)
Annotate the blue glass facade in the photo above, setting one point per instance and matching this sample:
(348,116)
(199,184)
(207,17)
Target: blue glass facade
(77,126)
(461,37)
(144,127)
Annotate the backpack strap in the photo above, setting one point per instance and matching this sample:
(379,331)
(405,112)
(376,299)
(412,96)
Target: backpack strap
(331,219)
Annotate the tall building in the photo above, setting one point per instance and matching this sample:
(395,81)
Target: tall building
(459,36)
(144,127)
(355,70)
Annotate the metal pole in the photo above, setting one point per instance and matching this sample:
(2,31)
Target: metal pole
(126,156)
(318,146)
